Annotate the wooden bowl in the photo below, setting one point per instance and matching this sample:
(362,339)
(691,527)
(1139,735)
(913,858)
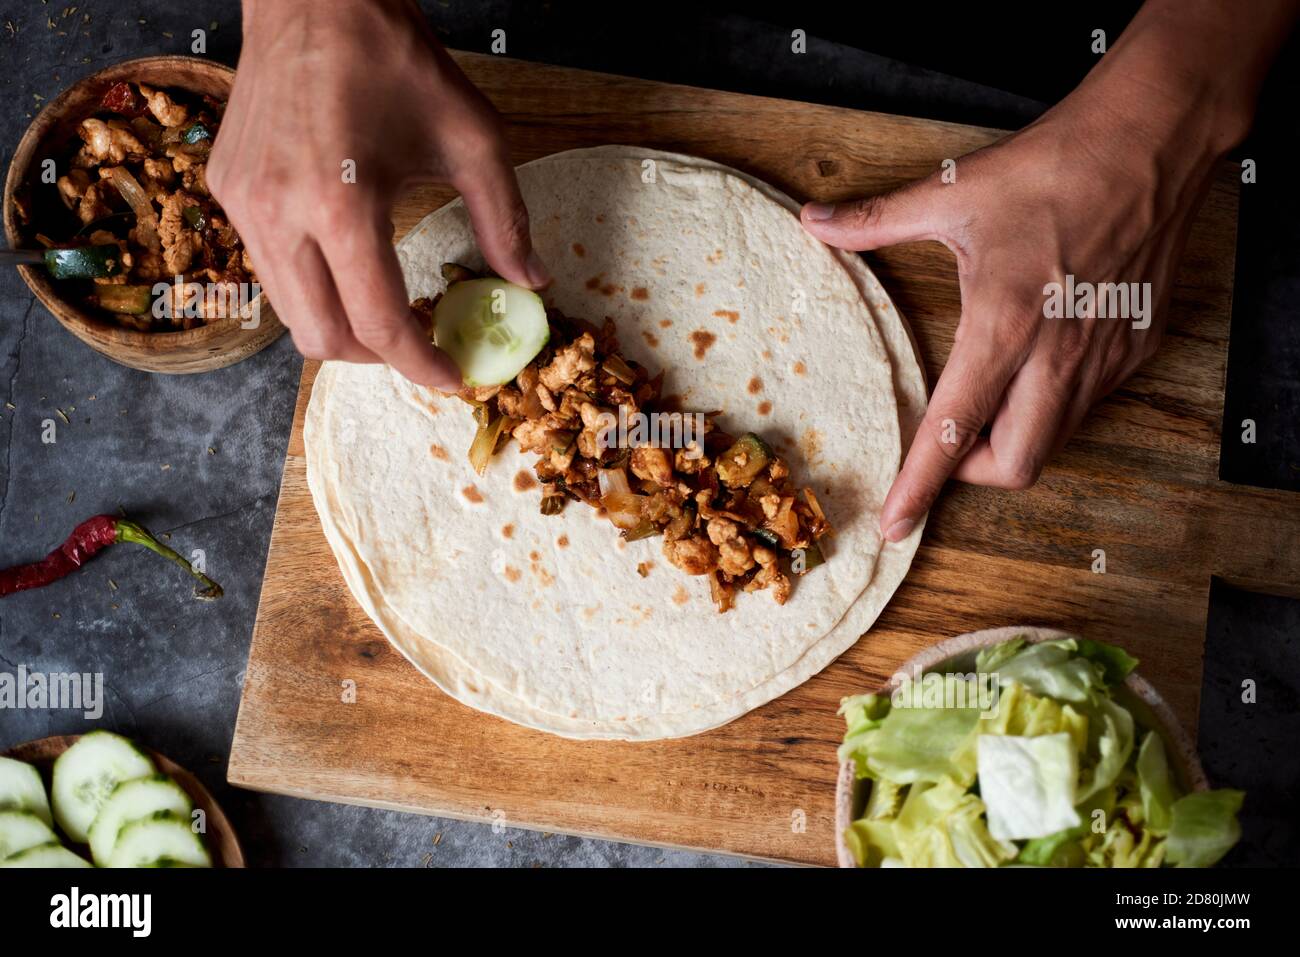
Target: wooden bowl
(220,837)
(958,655)
(52,135)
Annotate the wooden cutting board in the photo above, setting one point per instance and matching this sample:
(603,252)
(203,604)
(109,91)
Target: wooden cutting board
(1140,482)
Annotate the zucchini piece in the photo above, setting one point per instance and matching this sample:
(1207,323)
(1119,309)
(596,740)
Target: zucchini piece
(21,789)
(86,774)
(812,557)
(20,830)
(742,463)
(43,856)
(101,261)
(644,529)
(131,300)
(131,801)
(163,837)
(491,328)
(195,134)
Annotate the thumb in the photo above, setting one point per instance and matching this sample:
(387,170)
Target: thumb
(500,219)
(903,216)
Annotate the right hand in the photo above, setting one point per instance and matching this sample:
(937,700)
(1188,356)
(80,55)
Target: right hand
(359,84)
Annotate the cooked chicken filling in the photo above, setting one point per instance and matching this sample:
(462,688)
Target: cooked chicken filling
(723,506)
(139,179)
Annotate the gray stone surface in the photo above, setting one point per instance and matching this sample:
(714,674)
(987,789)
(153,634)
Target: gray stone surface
(199,457)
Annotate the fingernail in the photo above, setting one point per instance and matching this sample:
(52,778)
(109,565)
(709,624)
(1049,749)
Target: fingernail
(817,212)
(538,274)
(899,530)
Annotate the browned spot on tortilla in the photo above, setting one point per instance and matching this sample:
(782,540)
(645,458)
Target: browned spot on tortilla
(681,596)
(755,385)
(651,339)
(590,613)
(622,544)
(524,481)
(702,341)
(562,541)
(513,574)
(472,494)
(507,531)
(640,292)
(643,569)
(767,354)
(609,289)
(800,369)
(545,578)
(579,250)
(714,257)
(594,281)
(534,557)
(438,452)
(665,323)
(730,315)
(600,218)
(699,289)
(764,407)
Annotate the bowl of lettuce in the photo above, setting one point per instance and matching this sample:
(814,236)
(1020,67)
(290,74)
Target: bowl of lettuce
(1024,747)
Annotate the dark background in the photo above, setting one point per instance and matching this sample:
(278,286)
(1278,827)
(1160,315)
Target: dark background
(200,457)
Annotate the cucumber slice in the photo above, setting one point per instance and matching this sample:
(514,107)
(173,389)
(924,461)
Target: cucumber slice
(131,801)
(86,774)
(20,830)
(53,854)
(491,328)
(21,789)
(164,838)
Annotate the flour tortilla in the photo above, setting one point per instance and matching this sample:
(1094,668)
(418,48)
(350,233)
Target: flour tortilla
(579,644)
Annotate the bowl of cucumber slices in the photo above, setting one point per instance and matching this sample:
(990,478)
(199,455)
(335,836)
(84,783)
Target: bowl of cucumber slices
(102,800)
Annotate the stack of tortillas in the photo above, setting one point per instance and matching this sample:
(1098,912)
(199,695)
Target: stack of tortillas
(546,620)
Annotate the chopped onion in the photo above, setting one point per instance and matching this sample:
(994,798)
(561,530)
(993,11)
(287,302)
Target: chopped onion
(485,444)
(624,509)
(146,219)
(613,481)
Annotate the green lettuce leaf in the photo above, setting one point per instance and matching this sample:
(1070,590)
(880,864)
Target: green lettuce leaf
(1061,849)
(1053,669)
(1110,743)
(1028,784)
(1155,784)
(871,842)
(917,744)
(1204,827)
(988,660)
(1116,664)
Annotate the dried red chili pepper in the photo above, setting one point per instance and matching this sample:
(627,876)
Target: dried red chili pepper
(86,540)
(122,98)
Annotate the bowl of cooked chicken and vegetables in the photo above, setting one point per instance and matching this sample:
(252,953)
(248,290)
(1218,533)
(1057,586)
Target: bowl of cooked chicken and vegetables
(107,197)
